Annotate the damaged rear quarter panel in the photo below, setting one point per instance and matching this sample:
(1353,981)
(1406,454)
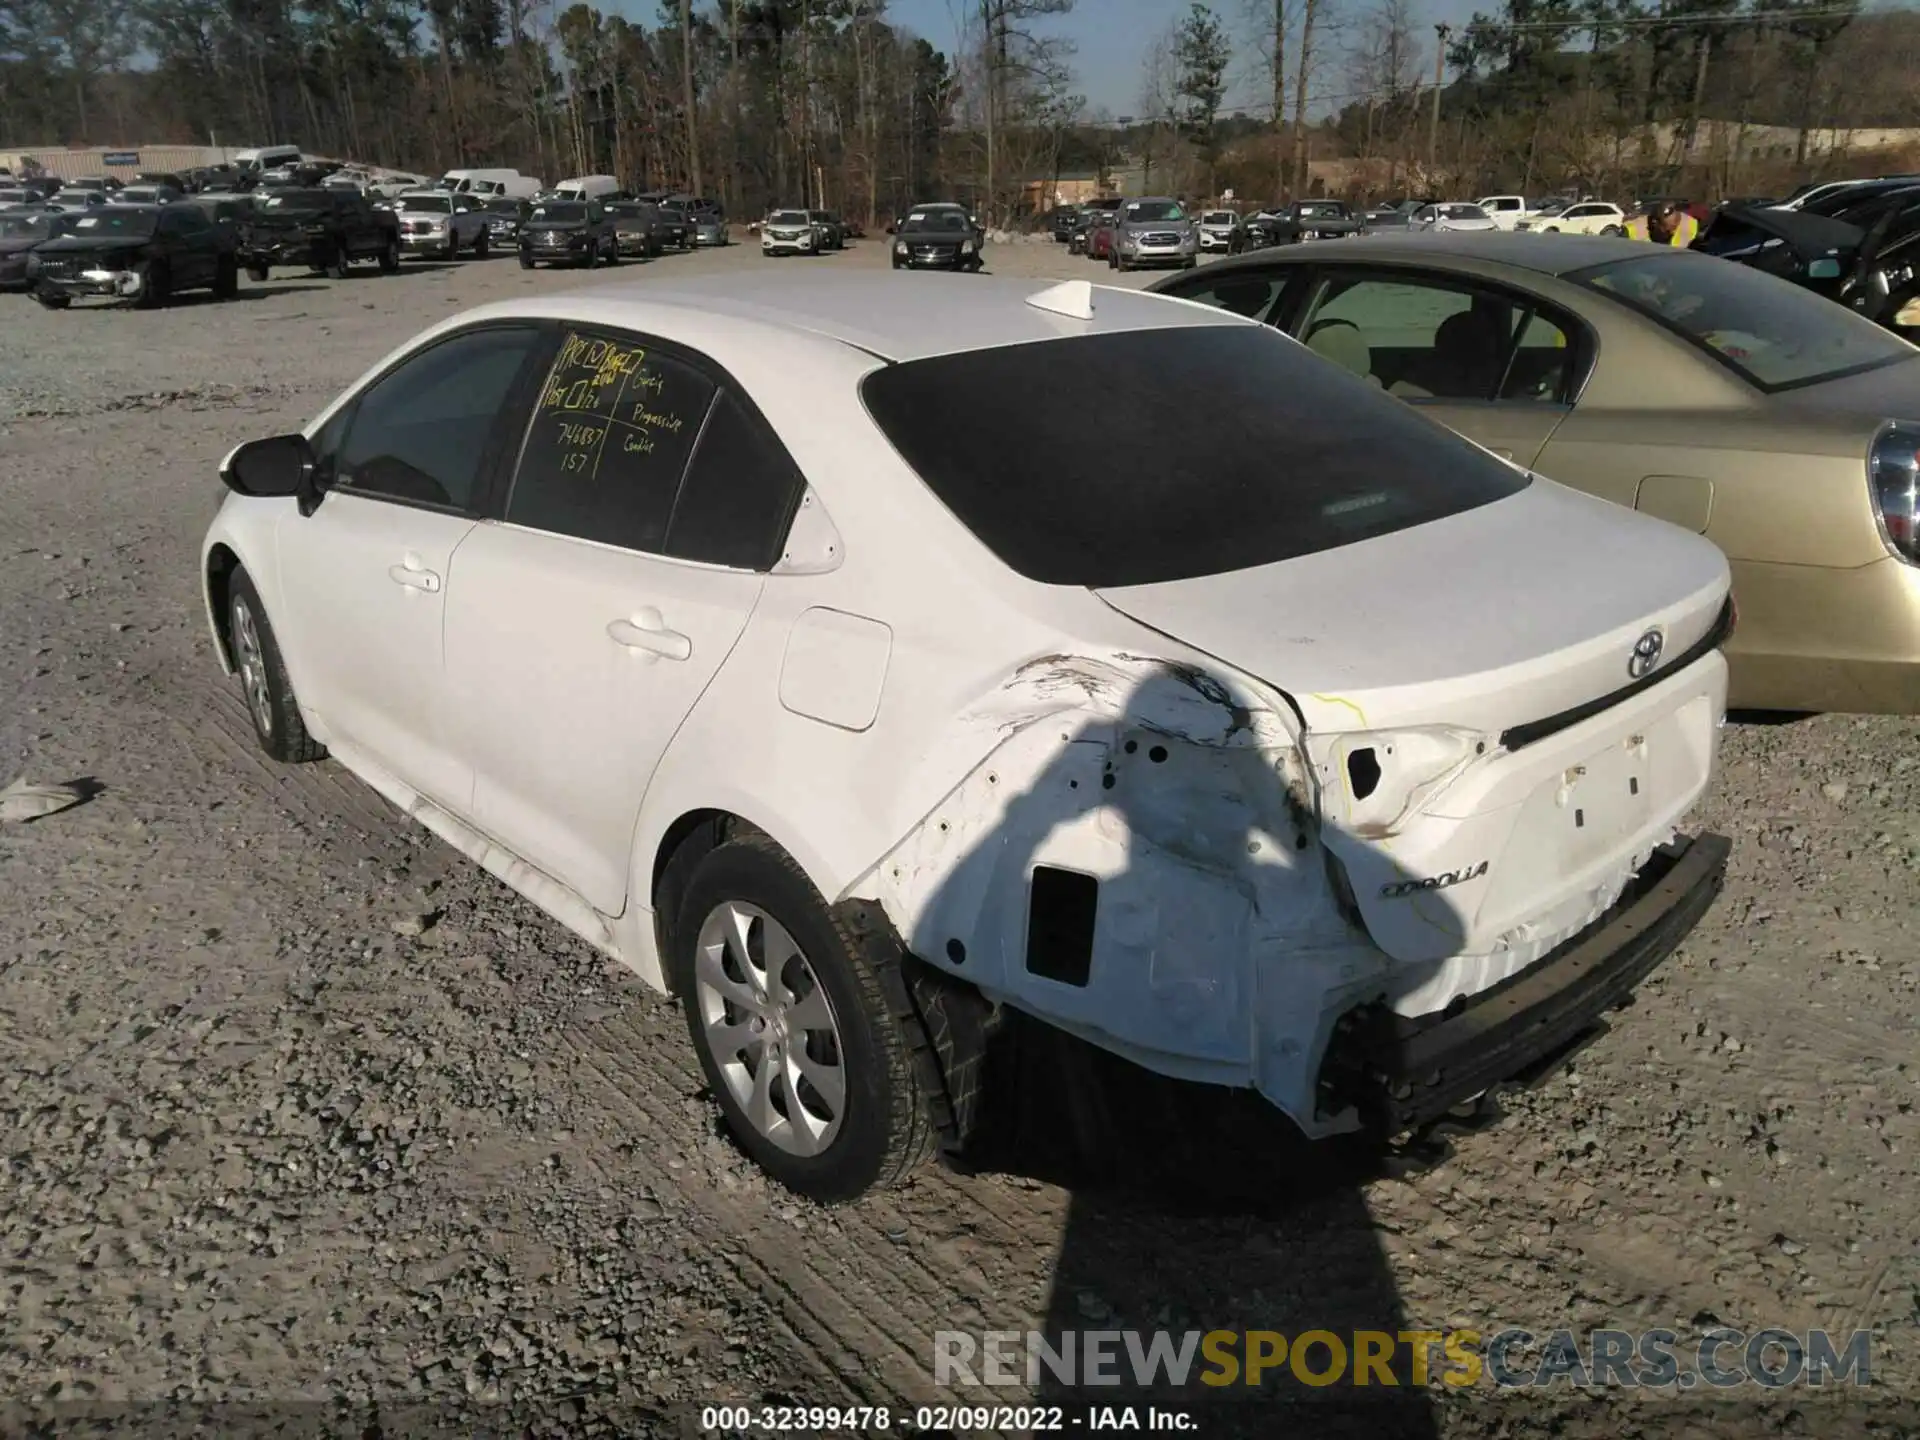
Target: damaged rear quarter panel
(1217,944)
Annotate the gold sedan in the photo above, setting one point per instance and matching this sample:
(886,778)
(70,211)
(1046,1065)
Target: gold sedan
(1775,422)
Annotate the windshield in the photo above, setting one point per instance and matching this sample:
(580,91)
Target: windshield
(295,201)
(1222,447)
(14,195)
(1774,333)
(502,207)
(1462,212)
(27,227)
(787,217)
(1218,217)
(424,204)
(1322,209)
(126,220)
(1151,210)
(562,213)
(941,221)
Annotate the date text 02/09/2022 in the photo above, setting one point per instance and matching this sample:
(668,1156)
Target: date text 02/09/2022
(792,1422)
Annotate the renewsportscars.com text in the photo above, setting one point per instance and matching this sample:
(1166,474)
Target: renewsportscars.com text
(1509,1358)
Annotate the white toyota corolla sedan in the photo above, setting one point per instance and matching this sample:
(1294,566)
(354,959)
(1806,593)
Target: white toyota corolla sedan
(856,657)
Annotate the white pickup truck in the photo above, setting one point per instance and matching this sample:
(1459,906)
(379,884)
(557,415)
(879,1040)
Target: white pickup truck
(1506,211)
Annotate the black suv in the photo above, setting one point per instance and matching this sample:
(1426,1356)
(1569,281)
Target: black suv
(143,253)
(320,229)
(568,232)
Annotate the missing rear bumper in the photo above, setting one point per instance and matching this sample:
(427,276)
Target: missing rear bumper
(1403,1074)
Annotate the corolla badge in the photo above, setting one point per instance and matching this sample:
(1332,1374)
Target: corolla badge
(1646,654)
(1402,888)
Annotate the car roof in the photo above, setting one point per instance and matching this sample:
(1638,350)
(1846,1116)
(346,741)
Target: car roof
(895,317)
(1542,254)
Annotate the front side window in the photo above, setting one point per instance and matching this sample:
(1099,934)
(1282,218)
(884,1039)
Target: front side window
(612,428)
(1775,334)
(1422,338)
(420,433)
(1222,448)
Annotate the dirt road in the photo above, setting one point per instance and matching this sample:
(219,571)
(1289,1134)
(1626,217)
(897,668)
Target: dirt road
(300,1108)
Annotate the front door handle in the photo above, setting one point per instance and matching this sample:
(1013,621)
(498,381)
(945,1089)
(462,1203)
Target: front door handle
(414,576)
(647,631)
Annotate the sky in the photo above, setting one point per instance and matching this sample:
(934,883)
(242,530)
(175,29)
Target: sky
(1111,39)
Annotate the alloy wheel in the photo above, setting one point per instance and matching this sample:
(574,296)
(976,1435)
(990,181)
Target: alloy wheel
(253,666)
(770,1028)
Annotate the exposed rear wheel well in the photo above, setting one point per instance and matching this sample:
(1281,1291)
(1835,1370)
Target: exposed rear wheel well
(682,848)
(221,563)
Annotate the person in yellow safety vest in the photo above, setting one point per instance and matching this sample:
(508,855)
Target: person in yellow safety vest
(1665,224)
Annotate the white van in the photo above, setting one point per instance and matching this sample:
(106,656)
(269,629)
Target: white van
(267,157)
(476,182)
(586,187)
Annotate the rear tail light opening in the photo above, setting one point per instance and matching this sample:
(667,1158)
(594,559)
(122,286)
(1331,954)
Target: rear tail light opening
(1893,476)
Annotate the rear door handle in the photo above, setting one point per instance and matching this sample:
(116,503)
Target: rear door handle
(413,576)
(647,631)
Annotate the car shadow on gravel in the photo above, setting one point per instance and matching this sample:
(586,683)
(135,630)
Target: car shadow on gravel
(1195,1208)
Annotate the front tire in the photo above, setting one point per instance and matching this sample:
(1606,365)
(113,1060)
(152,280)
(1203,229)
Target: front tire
(339,262)
(258,274)
(788,1013)
(390,258)
(526,262)
(263,678)
(155,286)
(52,299)
(226,278)
(481,247)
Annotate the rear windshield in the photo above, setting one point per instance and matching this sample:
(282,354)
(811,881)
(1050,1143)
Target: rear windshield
(1219,447)
(1774,333)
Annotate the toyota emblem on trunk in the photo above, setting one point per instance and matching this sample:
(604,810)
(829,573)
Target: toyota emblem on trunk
(1646,654)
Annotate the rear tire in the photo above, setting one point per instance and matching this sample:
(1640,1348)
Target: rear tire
(226,278)
(271,703)
(1614,230)
(840,1110)
(258,274)
(339,263)
(481,247)
(526,262)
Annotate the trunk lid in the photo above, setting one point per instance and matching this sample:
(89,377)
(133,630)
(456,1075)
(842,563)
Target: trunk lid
(1503,616)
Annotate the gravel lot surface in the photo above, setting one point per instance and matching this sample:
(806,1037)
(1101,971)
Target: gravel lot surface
(299,1107)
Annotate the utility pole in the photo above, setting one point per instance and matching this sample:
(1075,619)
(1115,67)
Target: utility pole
(1439,78)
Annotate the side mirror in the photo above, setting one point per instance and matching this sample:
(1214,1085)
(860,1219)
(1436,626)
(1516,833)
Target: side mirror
(278,465)
(1825,269)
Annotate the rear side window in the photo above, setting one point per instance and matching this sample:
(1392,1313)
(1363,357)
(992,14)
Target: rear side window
(739,495)
(612,429)
(1220,448)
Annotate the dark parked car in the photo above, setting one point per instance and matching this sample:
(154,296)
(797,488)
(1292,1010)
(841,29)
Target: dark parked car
(1864,255)
(676,226)
(162,177)
(833,235)
(1308,220)
(504,219)
(568,232)
(319,229)
(21,232)
(1062,221)
(936,238)
(143,253)
(637,227)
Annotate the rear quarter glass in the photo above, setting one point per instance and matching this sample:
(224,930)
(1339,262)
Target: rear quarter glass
(1222,448)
